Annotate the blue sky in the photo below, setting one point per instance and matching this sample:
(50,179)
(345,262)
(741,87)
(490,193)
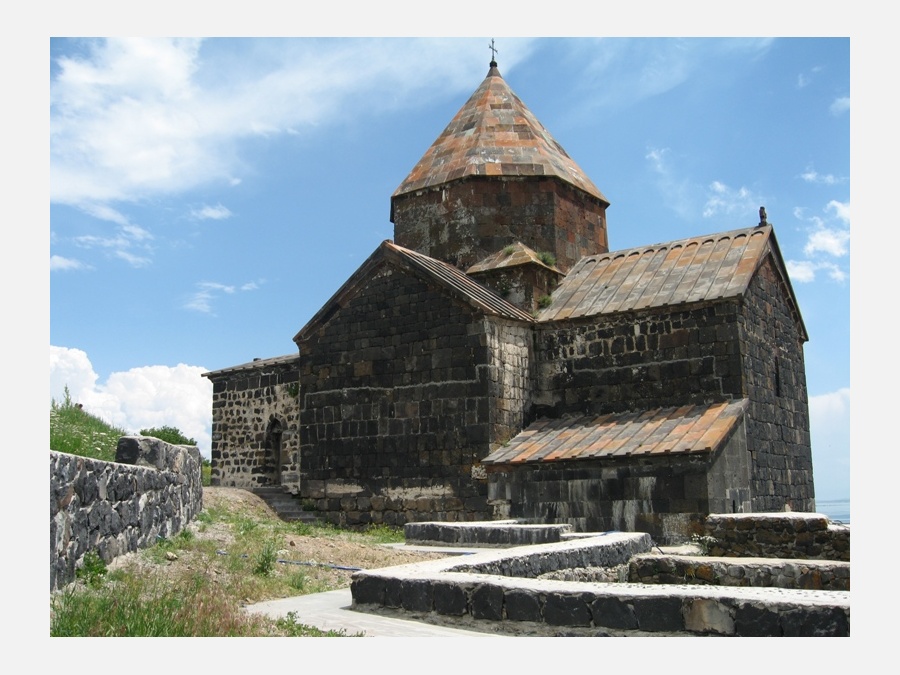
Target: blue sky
(207,196)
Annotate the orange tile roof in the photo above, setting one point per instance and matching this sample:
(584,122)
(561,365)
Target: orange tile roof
(511,256)
(656,432)
(710,267)
(495,134)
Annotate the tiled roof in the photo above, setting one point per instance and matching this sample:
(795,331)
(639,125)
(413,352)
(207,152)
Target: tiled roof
(657,432)
(511,256)
(255,364)
(451,278)
(494,134)
(676,272)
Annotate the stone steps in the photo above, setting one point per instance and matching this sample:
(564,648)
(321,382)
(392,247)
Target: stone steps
(284,504)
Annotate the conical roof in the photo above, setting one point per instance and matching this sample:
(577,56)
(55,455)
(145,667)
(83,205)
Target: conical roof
(495,134)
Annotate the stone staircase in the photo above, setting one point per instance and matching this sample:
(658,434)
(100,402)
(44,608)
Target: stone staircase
(286,505)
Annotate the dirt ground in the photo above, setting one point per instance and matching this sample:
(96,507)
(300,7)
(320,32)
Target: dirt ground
(321,558)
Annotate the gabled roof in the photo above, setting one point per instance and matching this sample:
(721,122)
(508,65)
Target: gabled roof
(255,364)
(687,429)
(450,278)
(495,134)
(710,267)
(511,256)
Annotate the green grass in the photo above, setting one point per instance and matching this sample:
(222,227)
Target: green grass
(76,432)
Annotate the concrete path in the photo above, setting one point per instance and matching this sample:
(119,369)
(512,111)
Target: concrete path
(331,611)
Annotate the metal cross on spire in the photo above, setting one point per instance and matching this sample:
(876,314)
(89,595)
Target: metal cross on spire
(493,54)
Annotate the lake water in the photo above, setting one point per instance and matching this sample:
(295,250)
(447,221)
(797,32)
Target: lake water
(836,509)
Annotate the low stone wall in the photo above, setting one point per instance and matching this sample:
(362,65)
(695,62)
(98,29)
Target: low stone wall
(502,586)
(153,490)
(825,575)
(483,534)
(809,536)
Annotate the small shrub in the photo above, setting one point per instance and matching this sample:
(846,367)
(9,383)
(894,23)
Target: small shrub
(544,301)
(266,558)
(547,258)
(509,250)
(169,435)
(92,570)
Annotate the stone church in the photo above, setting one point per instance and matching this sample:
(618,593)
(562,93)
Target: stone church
(496,360)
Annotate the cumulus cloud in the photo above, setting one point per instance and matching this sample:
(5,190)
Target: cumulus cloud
(140,398)
(827,243)
(217,212)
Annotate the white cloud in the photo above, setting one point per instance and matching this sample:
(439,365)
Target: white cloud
(150,396)
(830,241)
(123,242)
(812,176)
(136,118)
(217,212)
(723,200)
(207,291)
(840,105)
(841,210)
(828,238)
(61,264)
(802,271)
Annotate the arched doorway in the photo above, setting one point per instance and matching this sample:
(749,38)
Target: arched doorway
(273,450)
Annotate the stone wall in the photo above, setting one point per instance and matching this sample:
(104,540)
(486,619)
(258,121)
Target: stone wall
(255,415)
(777,535)
(114,507)
(464,221)
(636,361)
(403,389)
(775,382)
(826,575)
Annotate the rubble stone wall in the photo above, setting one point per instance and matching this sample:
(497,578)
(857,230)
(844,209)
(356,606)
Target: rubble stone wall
(114,507)
(777,535)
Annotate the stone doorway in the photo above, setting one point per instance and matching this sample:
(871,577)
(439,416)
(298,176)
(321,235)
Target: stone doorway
(274,459)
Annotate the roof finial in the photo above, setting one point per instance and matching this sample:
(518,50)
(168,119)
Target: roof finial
(493,54)
(762,216)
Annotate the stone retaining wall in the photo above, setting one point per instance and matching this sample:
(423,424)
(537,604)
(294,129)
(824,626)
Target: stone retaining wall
(826,575)
(153,490)
(809,536)
(501,586)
